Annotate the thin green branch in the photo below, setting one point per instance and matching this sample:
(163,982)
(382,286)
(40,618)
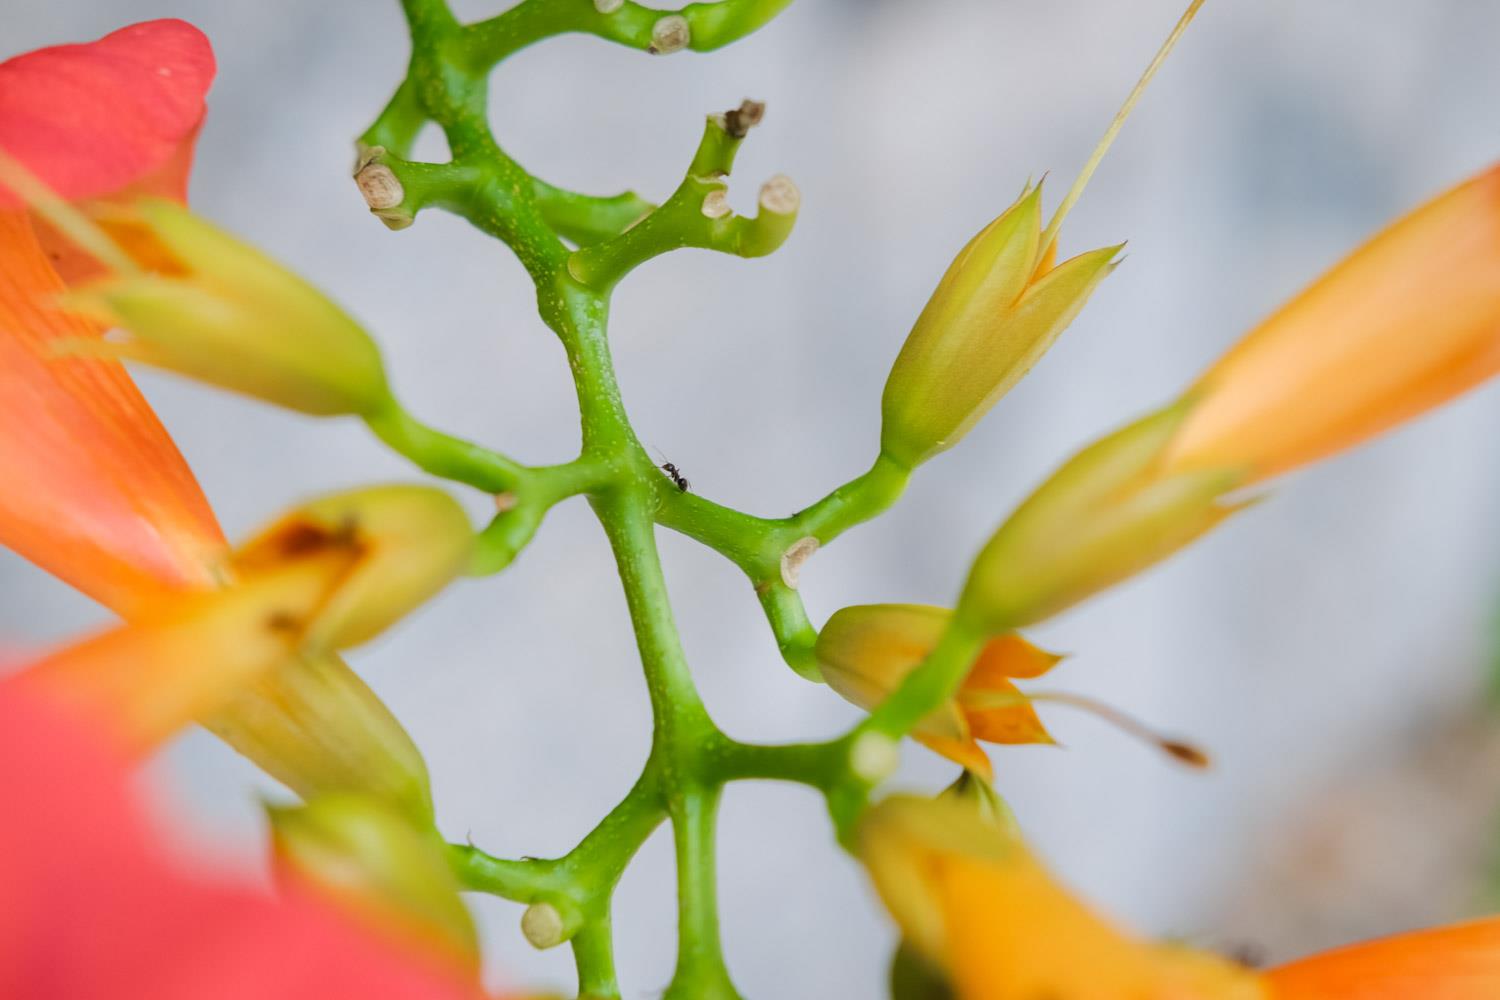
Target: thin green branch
(697,214)
(794,632)
(701,27)
(398,124)
(589,219)
(701,973)
(443,455)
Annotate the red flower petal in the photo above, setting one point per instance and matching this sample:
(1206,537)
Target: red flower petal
(90,910)
(95,118)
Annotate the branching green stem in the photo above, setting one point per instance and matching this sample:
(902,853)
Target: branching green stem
(691,760)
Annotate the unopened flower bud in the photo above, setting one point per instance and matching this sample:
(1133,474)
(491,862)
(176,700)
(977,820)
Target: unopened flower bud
(1404,324)
(376,864)
(1105,515)
(410,542)
(316,727)
(997,310)
(228,315)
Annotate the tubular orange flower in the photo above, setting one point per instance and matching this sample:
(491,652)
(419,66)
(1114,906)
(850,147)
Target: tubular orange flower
(984,914)
(1407,322)
(325,577)
(1458,962)
(979,907)
(143,682)
(100,496)
(866,651)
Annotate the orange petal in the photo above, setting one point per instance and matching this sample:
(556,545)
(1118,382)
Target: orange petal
(144,681)
(965,752)
(974,900)
(96,493)
(1007,718)
(1459,962)
(1407,322)
(1010,655)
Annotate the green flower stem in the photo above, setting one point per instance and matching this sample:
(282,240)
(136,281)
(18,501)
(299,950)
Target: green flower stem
(712,25)
(857,501)
(795,635)
(444,455)
(398,124)
(688,219)
(594,957)
(589,219)
(756,544)
(701,973)
(690,758)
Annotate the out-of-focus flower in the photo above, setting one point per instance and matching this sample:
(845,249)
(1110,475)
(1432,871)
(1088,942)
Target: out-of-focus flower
(328,576)
(866,651)
(1405,323)
(97,493)
(978,907)
(411,542)
(316,727)
(92,909)
(215,309)
(1457,962)
(116,115)
(1402,325)
(983,919)
(1105,515)
(997,310)
(372,861)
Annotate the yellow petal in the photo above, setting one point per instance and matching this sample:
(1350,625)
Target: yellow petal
(1408,321)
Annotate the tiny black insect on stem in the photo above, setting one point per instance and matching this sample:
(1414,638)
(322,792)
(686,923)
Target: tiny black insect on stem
(677,477)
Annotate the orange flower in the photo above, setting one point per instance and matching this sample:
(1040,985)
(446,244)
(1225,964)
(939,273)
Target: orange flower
(865,652)
(1458,962)
(1407,322)
(986,916)
(97,493)
(975,903)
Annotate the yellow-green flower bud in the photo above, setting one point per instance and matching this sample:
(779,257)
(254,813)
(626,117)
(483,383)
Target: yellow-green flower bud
(1107,514)
(215,309)
(997,310)
(316,727)
(373,862)
(410,540)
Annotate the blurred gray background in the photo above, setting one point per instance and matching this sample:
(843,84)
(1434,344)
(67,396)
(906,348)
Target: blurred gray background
(1328,646)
